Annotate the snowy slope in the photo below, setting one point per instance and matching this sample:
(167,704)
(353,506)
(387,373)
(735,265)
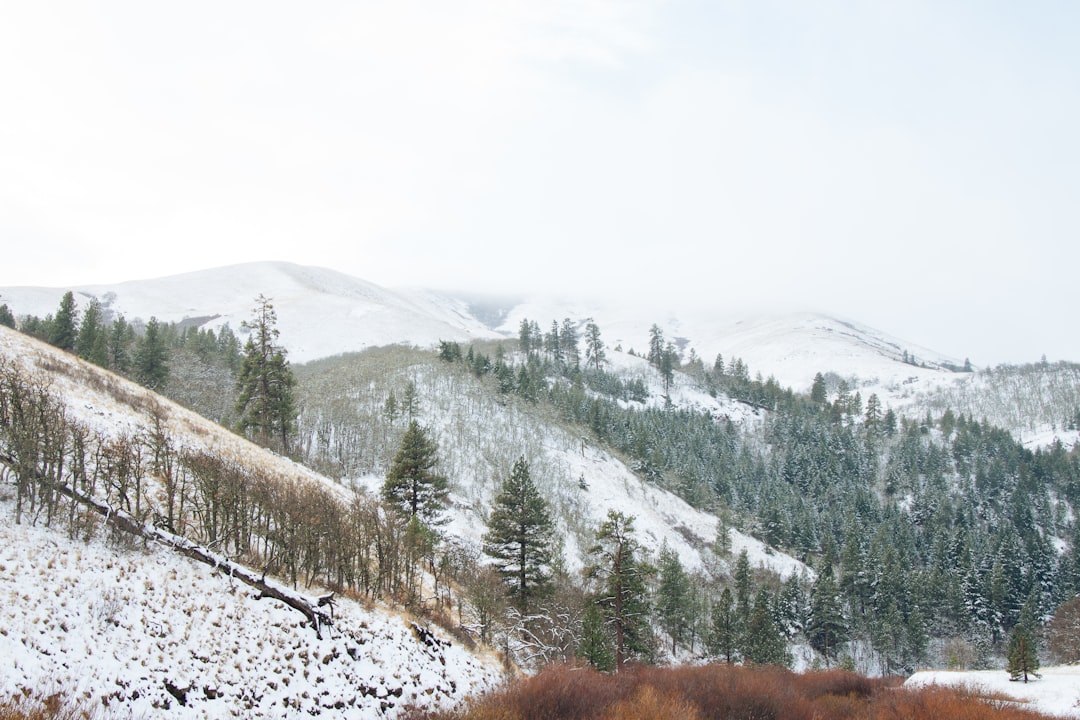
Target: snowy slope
(791,347)
(115,622)
(480,434)
(321,312)
(115,627)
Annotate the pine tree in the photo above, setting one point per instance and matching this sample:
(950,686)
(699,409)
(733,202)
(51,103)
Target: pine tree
(265,404)
(568,339)
(92,341)
(673,597)
(62,331)
(656,345)
(6,318)
(152,357)
(624,600)
(412,484)
(121,337)
(595,644)
(828,627)
(520,537)
(818,393)
(725,629)
(743,584)
(1022,655)
(594,346)
(763,642)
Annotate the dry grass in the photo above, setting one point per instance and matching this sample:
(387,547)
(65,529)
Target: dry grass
(720,692)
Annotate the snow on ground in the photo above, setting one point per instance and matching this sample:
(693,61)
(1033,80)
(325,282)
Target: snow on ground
(113,406)
(1057,692)
(112,625)
(476,431)
(116,626)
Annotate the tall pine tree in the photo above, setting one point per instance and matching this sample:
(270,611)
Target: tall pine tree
(623,602)
(519,537)
(266,407)
(413,484)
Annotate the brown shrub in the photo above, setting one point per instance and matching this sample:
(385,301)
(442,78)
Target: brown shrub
(724,692)
(938,703)
(649,704)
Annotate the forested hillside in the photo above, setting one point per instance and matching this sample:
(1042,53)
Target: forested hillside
(815,528)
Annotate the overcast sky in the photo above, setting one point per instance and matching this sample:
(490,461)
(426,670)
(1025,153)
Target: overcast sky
(914,166)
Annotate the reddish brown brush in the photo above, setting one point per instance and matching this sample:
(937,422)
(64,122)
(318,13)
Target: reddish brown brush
(723,692)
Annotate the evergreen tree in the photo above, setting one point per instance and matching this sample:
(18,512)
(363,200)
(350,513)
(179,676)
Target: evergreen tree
(725,629)
(818,393)
(92,341)
(624,600)
(656,345)
(595,646)
(673,597)
(62,332)
(6,318)
(410,401)
(520,537)
(265,404)
(1022,654)
(744,583)
(763,642)
(525,338)
(828,628)
(413,485)
(118,346)
(152,357)
(568,340)
(594,346)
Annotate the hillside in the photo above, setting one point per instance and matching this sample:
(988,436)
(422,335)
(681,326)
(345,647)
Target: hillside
(116,621)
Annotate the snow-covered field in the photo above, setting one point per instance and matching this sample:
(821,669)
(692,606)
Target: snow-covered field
(1057,692)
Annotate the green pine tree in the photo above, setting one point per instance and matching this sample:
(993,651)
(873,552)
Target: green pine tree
(595,646)
(624,600)
(520,537)
(763,641)
(673,597)
(1023,655)
(828,628)
(595,354)
(725,629)
(152,357)
(92,341)
(62,332)
(6,318)
(413,485)
(265,405)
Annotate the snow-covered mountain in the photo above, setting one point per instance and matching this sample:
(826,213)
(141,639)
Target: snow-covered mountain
(322,312)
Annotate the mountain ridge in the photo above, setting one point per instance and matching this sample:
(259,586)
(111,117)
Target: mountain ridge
(323,312)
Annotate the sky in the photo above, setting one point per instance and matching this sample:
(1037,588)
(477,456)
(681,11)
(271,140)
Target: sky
(913,166)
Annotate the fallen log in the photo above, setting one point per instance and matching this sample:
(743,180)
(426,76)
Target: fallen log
(123,521)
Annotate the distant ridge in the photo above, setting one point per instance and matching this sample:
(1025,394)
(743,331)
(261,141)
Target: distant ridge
(323,312)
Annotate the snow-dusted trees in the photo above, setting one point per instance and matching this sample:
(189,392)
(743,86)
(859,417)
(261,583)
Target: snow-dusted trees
(519,537)
(266,406)
(595,354)
(828,627)
(413,484)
